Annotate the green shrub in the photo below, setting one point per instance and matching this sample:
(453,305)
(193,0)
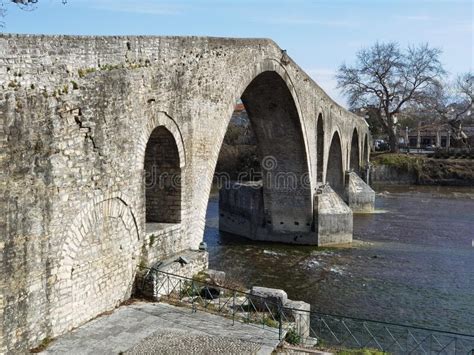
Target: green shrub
(400,161)
(292,337)
(270,322)
(152,240)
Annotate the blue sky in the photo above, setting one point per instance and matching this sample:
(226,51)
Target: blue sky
(318,34)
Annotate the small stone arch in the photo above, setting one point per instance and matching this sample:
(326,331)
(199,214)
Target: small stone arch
(355,152)
(334,167)
(156,119)
(163,185)
(159,123)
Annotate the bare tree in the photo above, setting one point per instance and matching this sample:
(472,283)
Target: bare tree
(387,78)
(23,4)
(26,3)
(452,103)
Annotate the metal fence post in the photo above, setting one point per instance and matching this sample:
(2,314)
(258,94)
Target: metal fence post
(233,309)
(406,344)
(280,323)
(192,296)
(299,327)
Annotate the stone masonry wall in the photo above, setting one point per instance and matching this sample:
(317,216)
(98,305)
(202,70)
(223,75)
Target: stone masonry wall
(76,114)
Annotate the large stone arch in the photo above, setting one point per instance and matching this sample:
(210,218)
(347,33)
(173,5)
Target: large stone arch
(355,152)
(334,167)
(98,261)
(276,66)
(272,104)
(320,148)
(275,121)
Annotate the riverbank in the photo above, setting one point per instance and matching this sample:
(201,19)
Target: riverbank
(421,170)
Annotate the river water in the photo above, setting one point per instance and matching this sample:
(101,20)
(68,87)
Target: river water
(412,261)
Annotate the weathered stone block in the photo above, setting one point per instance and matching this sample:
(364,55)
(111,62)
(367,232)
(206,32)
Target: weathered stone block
(299,312)
(268,297)
(215,277)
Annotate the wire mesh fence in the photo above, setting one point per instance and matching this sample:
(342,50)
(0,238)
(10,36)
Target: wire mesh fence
(308,327)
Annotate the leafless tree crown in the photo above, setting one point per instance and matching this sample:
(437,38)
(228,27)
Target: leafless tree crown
(388,78)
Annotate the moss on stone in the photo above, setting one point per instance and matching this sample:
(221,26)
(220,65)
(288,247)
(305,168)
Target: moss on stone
(42,346)
(84,71)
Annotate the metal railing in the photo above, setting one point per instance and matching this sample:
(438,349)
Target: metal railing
(233,304)
(354,333)
(308,327)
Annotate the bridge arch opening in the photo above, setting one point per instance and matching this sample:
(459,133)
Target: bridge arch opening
(355,155)
(162,178)
(334,170)
(320,148)
(280,192)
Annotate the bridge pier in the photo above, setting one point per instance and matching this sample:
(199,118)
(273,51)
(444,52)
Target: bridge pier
(332,217)
(241,212)
(358,195)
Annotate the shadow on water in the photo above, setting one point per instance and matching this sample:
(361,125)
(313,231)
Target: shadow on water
(413,263)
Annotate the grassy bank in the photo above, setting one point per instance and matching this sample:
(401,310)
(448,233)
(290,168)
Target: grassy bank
(428,170)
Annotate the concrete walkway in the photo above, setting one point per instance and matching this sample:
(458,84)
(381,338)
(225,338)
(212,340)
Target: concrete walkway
(158,328)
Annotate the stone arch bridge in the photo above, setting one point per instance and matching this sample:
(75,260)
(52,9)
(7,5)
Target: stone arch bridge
(108,150)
